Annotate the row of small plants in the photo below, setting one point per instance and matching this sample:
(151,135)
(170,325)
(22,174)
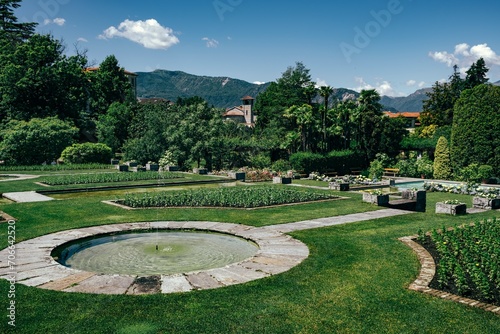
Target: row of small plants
(468,260)
(351,179)
(251,174)
(236,197)
(108,178)
(473,189)
(63,167)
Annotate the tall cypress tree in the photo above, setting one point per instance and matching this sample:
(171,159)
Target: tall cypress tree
(10,29)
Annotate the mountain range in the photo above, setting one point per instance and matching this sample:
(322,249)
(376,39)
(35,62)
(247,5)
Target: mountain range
(224,92)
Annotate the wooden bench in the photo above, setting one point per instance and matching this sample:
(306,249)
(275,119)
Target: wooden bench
(391,171)
(356,170)
(330,172)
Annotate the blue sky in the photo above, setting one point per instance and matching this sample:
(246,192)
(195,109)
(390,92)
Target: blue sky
(395,46)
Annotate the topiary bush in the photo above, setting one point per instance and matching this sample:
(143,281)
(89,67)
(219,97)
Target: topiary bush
(442,160)
(86,153)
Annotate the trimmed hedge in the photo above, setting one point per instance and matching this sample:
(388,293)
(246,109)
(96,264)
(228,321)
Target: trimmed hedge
(339,161)
(86,153)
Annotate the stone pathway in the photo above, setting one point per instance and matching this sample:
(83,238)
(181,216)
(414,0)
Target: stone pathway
(278,252)
(26,197)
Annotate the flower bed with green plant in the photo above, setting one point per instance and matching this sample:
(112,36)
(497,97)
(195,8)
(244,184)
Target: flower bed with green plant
(351,179)
(468,260)
(63,167)
(108,178)
(252,174)
(463,188)
(236,197)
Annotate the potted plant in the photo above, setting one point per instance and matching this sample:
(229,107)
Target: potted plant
(451,207)
(132,163)
(122,168)
(376,197)
(282,177)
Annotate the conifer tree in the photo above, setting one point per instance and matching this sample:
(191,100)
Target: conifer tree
(442,161)
(10,29)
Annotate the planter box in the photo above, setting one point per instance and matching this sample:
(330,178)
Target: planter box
(238,176)
(380,200)
(282,180)
(132,164)
(122,168)
(451,209)
(140,169)
(115,162)
(338,186)
(171,168)
(201,171)
(153,167)
(486,203)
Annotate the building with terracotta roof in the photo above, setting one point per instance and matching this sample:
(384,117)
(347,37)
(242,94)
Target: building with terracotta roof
(243,113)
(413,118)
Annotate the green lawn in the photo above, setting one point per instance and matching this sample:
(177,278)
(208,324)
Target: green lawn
(354,281)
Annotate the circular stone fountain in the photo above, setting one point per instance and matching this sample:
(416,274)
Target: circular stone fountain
(154,253)
(270,252)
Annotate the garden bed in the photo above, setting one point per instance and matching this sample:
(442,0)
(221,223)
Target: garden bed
(108,178)
(233,197)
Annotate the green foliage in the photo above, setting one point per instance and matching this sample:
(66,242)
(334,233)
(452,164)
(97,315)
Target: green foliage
(36,141)
(308,162)
(10,29)
(108,178)
(112,127)
(442,161)
(476,74)
(261,160)
(468,260)
(86,153)
(281,166)
(474,137)
(46,168)
(167,159)
(38,80)
(407,167)
(376,169)
(237,197)
(425,166)
(485,172)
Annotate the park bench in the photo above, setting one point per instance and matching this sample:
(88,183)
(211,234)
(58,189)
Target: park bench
(356,170)
(391,171)
(330,172)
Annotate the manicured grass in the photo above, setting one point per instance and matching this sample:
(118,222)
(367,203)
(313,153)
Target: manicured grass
(354,281)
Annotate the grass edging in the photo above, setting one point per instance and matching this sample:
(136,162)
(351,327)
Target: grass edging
(427,272)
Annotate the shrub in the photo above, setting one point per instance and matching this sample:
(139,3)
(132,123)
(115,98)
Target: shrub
(425,166)
(86,153)
(307,162)
(261,160)
(281,166)
(485,172)
(343,161)
(376,169)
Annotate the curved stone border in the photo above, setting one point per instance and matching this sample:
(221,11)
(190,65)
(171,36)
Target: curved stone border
(35,266)
(19,177)
(427,272)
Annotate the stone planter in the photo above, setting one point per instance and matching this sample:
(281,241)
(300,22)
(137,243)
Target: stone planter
(339,186)
(132,164)
(115,162)
(380,200)
(201,171)
(451,209)
(122,168)
(282,180)
(238,176)
(486,203)
(153,167)
(171,168)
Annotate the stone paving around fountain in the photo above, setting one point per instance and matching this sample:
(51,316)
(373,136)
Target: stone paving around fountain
(34,265)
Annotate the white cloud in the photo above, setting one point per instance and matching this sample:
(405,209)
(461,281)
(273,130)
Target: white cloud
(421,84)
(58,20)
(320,83)
(81,39)
(464,55)
(149,34)
(411,83)
(210,42)
(259,82)
(383,87)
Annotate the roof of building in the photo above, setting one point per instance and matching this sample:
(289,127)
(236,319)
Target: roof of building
(93,69)
(234,111)
(405,114)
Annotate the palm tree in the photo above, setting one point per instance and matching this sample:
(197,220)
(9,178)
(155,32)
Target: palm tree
(325,92)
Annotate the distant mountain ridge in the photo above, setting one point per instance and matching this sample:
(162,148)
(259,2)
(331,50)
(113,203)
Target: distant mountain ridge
(224,92)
